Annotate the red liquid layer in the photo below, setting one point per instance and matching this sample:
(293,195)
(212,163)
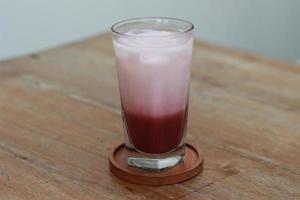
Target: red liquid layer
(156,134)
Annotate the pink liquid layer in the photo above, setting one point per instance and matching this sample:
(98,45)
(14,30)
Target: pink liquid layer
(156,134)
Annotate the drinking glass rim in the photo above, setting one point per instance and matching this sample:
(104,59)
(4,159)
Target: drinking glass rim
(171,35)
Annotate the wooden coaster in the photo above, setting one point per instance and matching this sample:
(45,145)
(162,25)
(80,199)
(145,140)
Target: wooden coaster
(190,167)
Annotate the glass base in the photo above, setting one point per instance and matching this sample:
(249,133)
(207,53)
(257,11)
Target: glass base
(155,161)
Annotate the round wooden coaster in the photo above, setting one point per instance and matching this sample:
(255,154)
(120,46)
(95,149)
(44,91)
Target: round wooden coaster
(190,167)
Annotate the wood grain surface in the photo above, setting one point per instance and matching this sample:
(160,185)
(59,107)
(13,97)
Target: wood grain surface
(60,117)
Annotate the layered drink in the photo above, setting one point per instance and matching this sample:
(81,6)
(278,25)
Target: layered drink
(153,65)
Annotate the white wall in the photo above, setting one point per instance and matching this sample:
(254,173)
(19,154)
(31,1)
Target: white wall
(270,27)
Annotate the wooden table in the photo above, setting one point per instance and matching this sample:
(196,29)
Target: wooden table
(60,115)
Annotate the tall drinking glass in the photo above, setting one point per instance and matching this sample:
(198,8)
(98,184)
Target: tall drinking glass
(153,57)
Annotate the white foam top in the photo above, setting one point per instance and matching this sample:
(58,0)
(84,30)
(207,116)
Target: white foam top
(148,32)
(151,38)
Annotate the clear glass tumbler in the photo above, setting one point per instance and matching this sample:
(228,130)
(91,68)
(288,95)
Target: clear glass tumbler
(153,57)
